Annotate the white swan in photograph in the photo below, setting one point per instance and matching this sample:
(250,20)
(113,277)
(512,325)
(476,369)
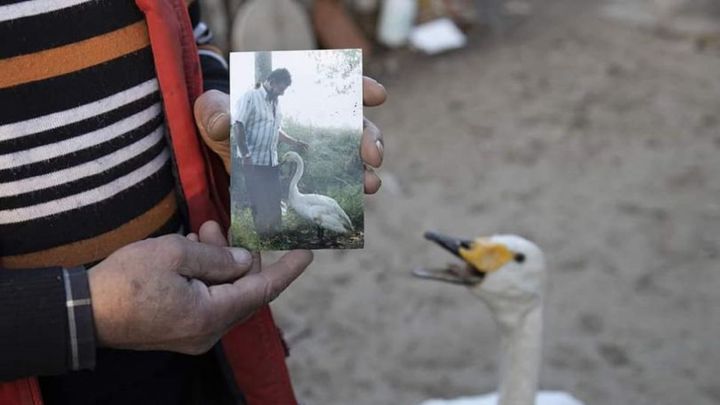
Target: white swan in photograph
(322,210)
(507,273)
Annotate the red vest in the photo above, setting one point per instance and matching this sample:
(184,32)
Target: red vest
(254,349)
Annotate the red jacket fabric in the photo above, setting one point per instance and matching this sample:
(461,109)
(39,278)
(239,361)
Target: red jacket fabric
(254,349)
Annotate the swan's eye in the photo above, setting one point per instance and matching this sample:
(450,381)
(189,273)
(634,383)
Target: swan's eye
(519,257)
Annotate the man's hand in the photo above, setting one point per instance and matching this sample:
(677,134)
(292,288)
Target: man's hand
(245,159)
(372,145)
(212,117)
(182,294)
(213,120)
(301,146)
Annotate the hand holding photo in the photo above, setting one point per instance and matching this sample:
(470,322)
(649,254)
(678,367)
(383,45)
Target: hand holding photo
(297,176)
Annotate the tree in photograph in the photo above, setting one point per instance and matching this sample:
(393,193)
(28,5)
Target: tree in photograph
(263,66)
(336,66)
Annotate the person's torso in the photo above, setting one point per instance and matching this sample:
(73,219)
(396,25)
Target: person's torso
(262,129)
(85,167)
(84,164)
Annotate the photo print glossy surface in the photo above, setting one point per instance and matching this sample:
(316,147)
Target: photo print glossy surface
(297,175)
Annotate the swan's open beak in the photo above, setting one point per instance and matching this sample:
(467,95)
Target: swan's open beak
(481,256)
(455,274)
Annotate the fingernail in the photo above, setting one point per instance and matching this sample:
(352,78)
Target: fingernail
(214,119)
(378,83)
(380,147)
(241,256)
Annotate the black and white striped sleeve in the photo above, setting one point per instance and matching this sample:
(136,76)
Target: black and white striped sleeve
(212,62)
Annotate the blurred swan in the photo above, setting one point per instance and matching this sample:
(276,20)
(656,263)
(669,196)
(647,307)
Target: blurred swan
(507,272)
(322,210)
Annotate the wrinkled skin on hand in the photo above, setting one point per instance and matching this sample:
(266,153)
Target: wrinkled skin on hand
(182,294)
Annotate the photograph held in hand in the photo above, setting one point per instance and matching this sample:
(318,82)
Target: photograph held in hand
(296,127)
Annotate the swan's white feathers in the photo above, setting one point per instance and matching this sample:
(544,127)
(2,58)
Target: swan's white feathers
(542,398)
(515,285)
(324,211)
(513,291)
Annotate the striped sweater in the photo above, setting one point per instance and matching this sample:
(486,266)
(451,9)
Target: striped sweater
(85,166)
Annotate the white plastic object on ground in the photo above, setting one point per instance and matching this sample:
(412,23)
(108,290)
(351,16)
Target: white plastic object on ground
(437,36)
(396,21)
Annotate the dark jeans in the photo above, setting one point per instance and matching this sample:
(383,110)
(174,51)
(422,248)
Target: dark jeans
(263,188)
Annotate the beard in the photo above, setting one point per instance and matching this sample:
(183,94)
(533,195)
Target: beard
(271,94)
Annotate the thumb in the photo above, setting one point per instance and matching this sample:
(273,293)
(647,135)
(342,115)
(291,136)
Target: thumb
(213,264)
(212,117)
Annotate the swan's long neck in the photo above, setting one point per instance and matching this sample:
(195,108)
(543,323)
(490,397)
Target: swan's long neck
(299,169)
(521,354)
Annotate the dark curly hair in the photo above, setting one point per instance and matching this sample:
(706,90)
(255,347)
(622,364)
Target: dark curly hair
(280,75)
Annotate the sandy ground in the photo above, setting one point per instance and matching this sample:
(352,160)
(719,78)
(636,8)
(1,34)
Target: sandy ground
(598,140)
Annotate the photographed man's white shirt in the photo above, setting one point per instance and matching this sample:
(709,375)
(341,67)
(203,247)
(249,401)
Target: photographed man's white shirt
(262,125)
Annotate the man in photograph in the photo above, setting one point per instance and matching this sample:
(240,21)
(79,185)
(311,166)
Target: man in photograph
(258,130)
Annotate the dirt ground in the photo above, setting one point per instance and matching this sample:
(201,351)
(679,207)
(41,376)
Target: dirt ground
(596,139)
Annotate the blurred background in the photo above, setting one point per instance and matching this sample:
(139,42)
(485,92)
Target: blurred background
(589,126)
